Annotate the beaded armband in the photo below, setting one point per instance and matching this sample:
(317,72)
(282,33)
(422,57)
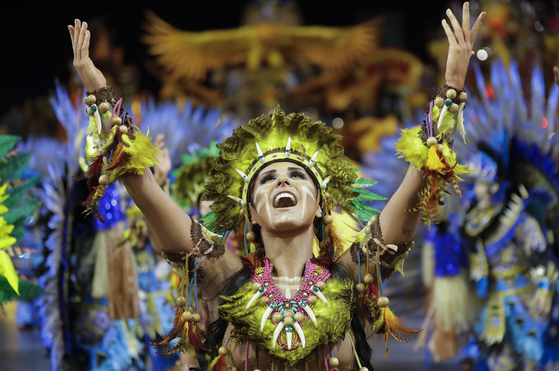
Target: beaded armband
(429,148)
(369,248)
(114,145)
(206,245)
(187,316)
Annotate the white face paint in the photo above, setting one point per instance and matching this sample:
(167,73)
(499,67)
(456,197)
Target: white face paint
(306,191)
(283,189)
(264,202)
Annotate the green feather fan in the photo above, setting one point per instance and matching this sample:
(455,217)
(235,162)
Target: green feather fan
(15,208)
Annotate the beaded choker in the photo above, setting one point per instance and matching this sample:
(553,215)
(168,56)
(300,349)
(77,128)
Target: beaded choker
(288,314)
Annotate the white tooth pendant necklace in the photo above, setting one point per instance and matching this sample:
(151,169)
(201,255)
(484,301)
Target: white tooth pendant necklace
(289,314)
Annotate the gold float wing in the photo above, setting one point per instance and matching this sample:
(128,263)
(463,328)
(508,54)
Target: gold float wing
(332,47)
(193,54)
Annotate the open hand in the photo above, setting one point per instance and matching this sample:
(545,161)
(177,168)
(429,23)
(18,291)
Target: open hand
(461,41)
(90,75)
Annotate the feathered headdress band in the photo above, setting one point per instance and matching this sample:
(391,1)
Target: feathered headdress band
(295,138)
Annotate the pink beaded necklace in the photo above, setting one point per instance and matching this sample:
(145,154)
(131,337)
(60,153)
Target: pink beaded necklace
(289,314)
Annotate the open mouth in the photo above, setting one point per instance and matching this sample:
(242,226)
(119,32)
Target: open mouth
(284,200)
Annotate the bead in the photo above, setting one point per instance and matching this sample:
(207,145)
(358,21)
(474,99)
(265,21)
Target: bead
(259,275)
(117,121)
(261,289)
(88,110)
(315,274)
(451,93)
(448,103)
(289,328)
(104,180)
(250,236)
(305,294)
(287,305)
(104,107)
(327,195)
(288,321)
(360,287)
(299,317)
(333,362)
(321,285)
(223,351)
(405,255)
(265,300)
(453,108)
(439,102)
(242,212)
(383,301)
(91,99)
(277,317)
(368,279)
(328,219)
(313,300)
(412,244)
(255,286)
(440,148)
(187,316)
(288,313)
(196,318)
(181,301)
(463,96)
(266,284)
(431,141)
(363,369)
(123,129)
(93,109)
(272,296)
(310,283)
(273,304)
(233,368)
(367,230)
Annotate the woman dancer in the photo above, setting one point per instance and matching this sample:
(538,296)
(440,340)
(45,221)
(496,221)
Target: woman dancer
(291,303)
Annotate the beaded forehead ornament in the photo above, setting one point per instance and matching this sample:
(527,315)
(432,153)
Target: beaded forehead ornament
(295,138)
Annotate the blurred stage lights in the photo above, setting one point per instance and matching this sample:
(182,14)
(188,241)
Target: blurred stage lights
(338,123)
(482,54)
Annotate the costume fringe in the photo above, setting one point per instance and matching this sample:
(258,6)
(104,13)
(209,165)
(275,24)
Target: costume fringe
(121,267)
(440,168)
(187,333)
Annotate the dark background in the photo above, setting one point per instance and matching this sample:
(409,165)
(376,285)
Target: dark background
(35,43)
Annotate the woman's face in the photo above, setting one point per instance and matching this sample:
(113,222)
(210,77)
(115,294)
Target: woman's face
(285,198)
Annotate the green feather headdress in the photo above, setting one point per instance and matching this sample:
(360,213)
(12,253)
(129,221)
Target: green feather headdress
(277,137)
(192,175)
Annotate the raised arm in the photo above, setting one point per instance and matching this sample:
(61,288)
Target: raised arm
(169,224)
(399,225)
